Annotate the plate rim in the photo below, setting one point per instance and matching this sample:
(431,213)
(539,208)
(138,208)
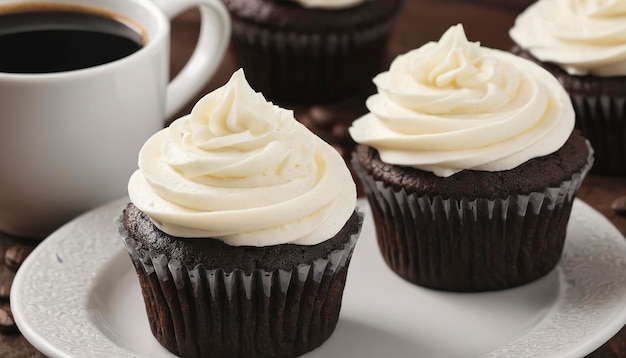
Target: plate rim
(43,344)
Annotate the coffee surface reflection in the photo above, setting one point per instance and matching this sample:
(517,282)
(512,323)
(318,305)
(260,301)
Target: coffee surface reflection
(55,40)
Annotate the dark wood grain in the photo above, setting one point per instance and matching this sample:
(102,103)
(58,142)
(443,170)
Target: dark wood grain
(422,21)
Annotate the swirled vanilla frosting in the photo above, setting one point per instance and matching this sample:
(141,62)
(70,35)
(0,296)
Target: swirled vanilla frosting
(244,171)
(328,4)
(453,105)
(581,36)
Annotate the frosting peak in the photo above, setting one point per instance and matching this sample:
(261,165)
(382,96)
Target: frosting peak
(246,136)
(232,110)
(452,61)
(243,170)
(581,36)
(434,78)
(453,105)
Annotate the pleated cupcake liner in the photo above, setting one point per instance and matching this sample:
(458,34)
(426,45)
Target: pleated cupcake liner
(208,312)
(471,245)
(308,67)
(602,119)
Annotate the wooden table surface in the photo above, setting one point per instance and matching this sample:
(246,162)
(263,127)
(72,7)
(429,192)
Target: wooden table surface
(421,21)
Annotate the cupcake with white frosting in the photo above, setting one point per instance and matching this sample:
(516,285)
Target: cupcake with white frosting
(470,165)
(241,227)
(583,44)
(311,51)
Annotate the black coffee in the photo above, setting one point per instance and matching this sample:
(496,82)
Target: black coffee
(44,41)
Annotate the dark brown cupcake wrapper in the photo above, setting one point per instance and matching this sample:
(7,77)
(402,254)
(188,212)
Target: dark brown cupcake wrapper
(470,245)
(203,312)
(323,65)
(602,119)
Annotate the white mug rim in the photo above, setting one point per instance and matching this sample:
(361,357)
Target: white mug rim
(152,41)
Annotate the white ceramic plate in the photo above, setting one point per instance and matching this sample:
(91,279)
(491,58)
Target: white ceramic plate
(77,295)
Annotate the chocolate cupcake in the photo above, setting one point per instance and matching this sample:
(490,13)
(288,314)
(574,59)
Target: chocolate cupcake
(470,166)
(208,299)
(241,227)
(310,52)
(583,45)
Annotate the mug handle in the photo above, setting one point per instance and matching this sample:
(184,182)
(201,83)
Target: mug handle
(213,41)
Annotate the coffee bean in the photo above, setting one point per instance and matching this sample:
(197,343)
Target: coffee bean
(15,255)
(5,291)
(619,205)
(7,323)
(340,131)
(321,117)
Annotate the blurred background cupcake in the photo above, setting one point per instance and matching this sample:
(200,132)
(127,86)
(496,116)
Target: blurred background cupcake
(515,5)
(311,51)
(583,44)
(470,166)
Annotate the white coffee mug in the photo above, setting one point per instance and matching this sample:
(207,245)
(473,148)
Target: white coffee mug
(69,140)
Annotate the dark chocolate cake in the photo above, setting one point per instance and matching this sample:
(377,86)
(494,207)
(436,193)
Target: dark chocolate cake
(534,175)
(207,299)
(475,230)
(213,253)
